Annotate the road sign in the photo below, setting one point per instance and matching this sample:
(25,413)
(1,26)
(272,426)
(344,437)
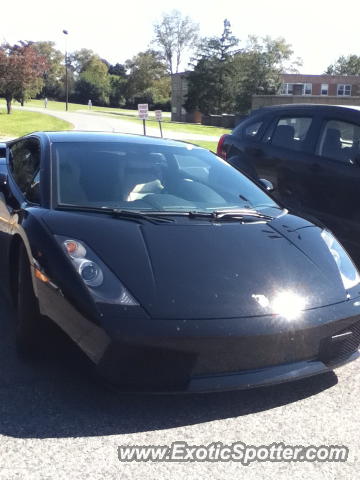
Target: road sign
(158,115)
(143,110)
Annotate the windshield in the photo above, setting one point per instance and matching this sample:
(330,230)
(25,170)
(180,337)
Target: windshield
(150,177)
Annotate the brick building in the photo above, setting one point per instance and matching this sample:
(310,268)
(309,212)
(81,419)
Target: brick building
(295,88)
(299,88)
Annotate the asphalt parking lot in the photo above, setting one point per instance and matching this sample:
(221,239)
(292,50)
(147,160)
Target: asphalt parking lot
(56,422)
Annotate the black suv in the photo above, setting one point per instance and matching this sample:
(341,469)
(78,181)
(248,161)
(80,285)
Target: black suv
(311,155)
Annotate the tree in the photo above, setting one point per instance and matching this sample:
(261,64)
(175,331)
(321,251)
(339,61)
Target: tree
(224,78)
(117,90)
(146,79)
(174,34)
(21,72)
(117,69)
(80,59)
(53,76)
(258,69)
(93,83)
(210,83)
(349,65)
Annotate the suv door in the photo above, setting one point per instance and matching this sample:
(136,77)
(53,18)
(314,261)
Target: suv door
(286,145)
(336,178)
(244,146)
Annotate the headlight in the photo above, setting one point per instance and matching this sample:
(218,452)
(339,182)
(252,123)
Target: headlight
(101,282)
(91,273)
(349,274)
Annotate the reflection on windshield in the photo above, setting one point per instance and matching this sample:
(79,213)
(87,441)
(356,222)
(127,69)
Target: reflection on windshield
(146,177)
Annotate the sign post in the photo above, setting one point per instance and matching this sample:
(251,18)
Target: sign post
(143,112)
(158,115)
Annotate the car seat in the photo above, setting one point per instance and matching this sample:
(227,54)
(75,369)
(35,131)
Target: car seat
(143,175)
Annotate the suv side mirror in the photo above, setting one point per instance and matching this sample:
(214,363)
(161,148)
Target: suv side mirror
(266,184)
(355,160)
(2,150)
(3,182)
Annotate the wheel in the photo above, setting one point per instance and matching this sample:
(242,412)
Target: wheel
(29,322)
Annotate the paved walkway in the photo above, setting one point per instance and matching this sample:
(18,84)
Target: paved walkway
(91,121)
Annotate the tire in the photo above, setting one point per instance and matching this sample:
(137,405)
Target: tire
(29,322)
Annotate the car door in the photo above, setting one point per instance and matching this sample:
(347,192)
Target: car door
(244,145)
(4,213)
(284,161)
(22,169)
(335,177)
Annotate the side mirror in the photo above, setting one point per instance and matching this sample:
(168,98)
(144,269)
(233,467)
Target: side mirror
(266,184)
(356,160)
(2,150)
(3,182)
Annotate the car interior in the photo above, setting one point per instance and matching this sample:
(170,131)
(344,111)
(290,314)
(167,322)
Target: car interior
(334,146)
(135,177)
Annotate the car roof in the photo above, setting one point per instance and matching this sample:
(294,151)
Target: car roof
(85,136)
(310,106)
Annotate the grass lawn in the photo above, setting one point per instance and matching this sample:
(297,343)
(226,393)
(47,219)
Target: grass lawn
(131,115)
(169,126)
(208,145)
(22,122)
(74,107)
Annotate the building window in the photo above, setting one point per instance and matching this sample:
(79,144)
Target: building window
(307,90)
(324,89)
(296,89)
(344,90)
(287,89)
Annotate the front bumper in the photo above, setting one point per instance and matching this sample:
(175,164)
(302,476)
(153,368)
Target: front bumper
(263,377)
(228,354)
(137,353)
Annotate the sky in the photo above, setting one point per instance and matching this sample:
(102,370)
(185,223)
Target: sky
(319,32)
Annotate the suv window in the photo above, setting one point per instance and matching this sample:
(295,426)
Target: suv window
(290,132)
(252,129)
(25,163)
(339,141)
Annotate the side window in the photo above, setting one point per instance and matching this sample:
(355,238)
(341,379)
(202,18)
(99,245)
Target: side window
(290,132)
(25,163)
(339,141)
(252,129)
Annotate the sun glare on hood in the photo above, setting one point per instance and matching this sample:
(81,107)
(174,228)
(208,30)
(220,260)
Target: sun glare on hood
(287,304)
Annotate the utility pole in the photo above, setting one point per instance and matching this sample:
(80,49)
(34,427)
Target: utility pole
(65,32)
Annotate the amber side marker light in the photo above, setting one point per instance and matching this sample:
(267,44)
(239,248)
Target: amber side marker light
(71,246)
(41,276)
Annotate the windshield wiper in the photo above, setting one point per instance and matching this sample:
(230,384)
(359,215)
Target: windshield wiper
(154,217)
(245,215)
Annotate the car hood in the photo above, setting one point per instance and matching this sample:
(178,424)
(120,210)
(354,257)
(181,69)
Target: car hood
(204,269)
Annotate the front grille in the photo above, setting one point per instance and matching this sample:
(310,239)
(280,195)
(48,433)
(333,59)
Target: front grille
(334,351)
